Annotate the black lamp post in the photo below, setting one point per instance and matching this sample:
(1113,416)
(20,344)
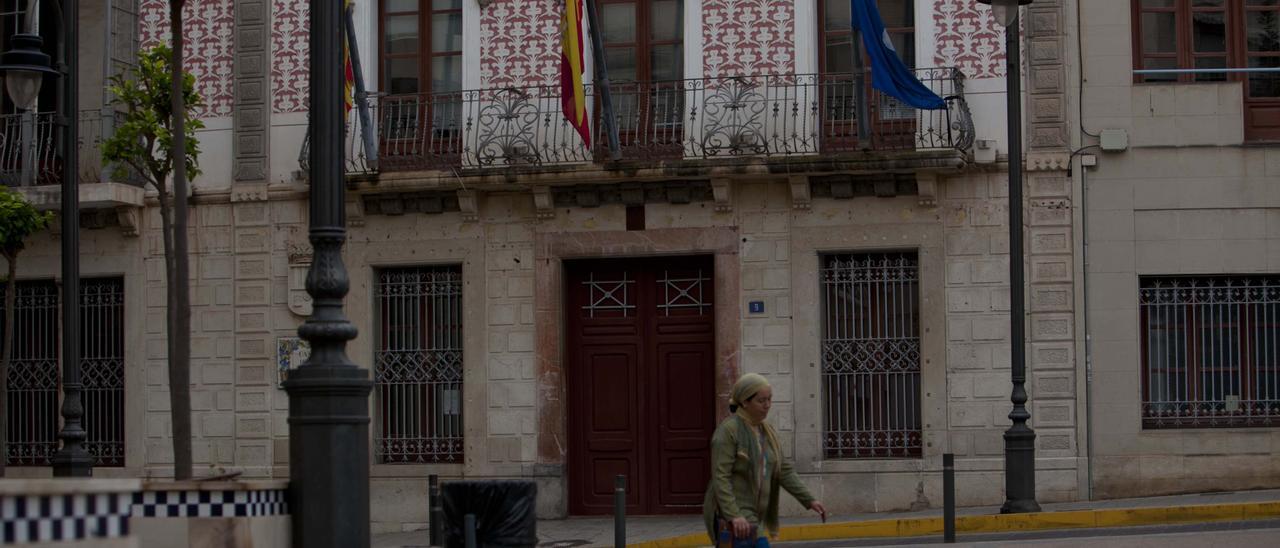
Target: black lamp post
(1019,439)
(328,395)
(24,68)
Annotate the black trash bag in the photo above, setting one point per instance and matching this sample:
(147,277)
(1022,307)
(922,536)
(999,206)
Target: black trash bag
(504,511)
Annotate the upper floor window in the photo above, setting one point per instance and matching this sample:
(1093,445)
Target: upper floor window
(1195,40)
(421,45)
(836,44)
(643,39)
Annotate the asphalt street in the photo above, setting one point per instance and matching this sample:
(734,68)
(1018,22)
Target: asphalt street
(1262,533)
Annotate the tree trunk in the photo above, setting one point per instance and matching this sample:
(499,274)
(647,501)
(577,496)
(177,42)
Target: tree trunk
(180,283)
(10,290)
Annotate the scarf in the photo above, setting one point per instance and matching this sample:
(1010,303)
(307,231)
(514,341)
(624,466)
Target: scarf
(746,387)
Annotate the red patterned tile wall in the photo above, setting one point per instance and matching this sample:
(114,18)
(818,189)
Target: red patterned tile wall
(208,50)
(968,37)
(290,69)
(745,37)
(520,43)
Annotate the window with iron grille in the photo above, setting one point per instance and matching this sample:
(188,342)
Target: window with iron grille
(418,365)
(34,372)
(1210,351)
(871,355)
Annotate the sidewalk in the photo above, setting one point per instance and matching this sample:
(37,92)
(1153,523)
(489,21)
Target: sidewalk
(598,531)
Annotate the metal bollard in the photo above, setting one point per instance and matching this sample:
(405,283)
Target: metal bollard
(620,511)
(469,530)
(948,498)
(435,516)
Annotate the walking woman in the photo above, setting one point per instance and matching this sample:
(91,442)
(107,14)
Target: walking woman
(747,469)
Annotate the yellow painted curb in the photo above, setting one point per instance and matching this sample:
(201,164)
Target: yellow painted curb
(1001,523)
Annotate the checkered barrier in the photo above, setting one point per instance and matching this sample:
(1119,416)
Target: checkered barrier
(65,517)
(208,504)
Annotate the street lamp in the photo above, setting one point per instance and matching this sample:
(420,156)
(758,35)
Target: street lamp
(1019,439)
(24,68)
(328,395)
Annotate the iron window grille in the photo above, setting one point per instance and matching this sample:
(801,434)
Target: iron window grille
(418,365)
(1210,351)
(34,372)
(871,355)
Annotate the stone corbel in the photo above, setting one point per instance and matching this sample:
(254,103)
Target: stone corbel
(927,188)
(722,192)
(800,197)
(355,210)
(128,217)
(469,204)
(543,202)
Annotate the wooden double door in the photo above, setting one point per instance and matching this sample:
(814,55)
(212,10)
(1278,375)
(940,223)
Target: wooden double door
(640,366)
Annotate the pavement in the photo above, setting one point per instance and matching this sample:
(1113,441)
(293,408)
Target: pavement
(1085,515)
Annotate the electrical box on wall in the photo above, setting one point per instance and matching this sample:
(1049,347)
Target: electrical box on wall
(984,151)
(1113,140)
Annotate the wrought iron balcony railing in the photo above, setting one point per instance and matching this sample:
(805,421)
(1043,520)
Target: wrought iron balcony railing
(707,118)
(29,153)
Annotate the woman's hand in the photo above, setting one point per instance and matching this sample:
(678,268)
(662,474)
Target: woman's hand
(741,527)
(820,509)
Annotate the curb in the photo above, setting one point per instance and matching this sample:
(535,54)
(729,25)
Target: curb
(1002,523)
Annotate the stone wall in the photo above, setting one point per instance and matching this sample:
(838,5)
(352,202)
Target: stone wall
(249,255)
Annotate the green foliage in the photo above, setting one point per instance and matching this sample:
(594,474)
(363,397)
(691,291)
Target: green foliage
(145,137)
(18,220)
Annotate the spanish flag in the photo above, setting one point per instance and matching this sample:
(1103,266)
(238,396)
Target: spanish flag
(572,96)
(349,75)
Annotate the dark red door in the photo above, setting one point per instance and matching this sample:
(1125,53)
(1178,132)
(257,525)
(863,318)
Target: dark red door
(640,360)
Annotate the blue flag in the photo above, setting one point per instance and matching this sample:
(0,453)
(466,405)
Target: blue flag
(888,73)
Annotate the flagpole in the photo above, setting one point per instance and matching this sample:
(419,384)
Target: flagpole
(860,90)
(602,81)
(362,105)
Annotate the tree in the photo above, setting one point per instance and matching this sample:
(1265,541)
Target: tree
(18,220)
(146,142)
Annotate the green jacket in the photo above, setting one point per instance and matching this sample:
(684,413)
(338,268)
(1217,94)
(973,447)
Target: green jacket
(731,492)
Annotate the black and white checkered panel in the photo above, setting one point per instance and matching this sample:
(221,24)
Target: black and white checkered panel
(207,504)
(46,518)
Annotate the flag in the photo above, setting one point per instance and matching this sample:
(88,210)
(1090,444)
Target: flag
(572,97)
(888,73)
(349,74)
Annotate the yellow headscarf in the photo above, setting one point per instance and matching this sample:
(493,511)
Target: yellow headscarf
(746,387)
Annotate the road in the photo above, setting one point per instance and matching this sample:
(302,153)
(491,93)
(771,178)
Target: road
(1224,534)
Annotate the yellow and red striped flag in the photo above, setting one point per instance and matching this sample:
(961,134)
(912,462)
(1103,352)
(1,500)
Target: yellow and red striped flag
(572,97)
(349,75)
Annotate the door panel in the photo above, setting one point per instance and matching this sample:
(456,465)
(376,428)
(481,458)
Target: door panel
(640,374)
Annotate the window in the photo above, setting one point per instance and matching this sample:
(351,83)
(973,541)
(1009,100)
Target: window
(34,372)
(644,52)
(892,123)
(421,46)
(1210,351)
(871,355)
(421,69)
(1214,34)
(836,45)
(418,365)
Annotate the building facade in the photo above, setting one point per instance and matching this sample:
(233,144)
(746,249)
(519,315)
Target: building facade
(1181,227)
(530,308)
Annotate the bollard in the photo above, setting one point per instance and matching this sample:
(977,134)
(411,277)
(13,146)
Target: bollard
(469,530)
(435,514)
(948,498)
(620,511)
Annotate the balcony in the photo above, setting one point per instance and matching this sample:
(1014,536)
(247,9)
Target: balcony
(696,122)
(31,164)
